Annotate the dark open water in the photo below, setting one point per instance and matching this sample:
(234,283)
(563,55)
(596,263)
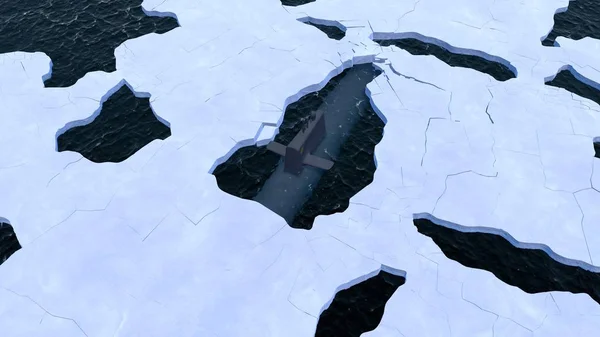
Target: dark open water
(353,130)
(79,36)
(531,270)
(566,80)
(331,31)
(360,308)
(126,123)
(9,243)
(580,20)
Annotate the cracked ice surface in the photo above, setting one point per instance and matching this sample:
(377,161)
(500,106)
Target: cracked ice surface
(106,246)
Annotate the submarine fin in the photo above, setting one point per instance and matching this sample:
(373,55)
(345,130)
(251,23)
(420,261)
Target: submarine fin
(318,162)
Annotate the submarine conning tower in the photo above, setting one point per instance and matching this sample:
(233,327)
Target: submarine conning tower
(298,152)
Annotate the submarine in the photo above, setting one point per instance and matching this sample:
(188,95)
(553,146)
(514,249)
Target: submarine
(299,151)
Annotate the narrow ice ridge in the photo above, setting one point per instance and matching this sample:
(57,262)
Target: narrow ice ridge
(588,283)
(334,29)
(575,83)
(509,71)
(160,14)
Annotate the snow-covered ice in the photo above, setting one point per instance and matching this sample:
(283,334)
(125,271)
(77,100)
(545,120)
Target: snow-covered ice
(151,247)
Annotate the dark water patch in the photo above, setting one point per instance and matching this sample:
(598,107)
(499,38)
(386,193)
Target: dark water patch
(9,243)
(122,125)
(572,81)
(581,19)
(360,308)
(332,32)
(534,268)
(597,147)
(353,130)
(294,3)
(79,36)
(498,70)
(353,171)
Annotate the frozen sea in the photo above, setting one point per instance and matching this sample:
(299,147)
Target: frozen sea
(151,247)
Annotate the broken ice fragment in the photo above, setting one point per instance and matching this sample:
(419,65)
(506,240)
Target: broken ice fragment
(497,70)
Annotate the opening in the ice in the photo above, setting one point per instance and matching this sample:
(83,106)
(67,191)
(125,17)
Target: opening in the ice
(359,308)
(497,70)
(534,268)
(351,130)
(9,243)
(78,36)
(122,125)
(596,142)
(332,32)
(581,19)
(294,3)
(570,80)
